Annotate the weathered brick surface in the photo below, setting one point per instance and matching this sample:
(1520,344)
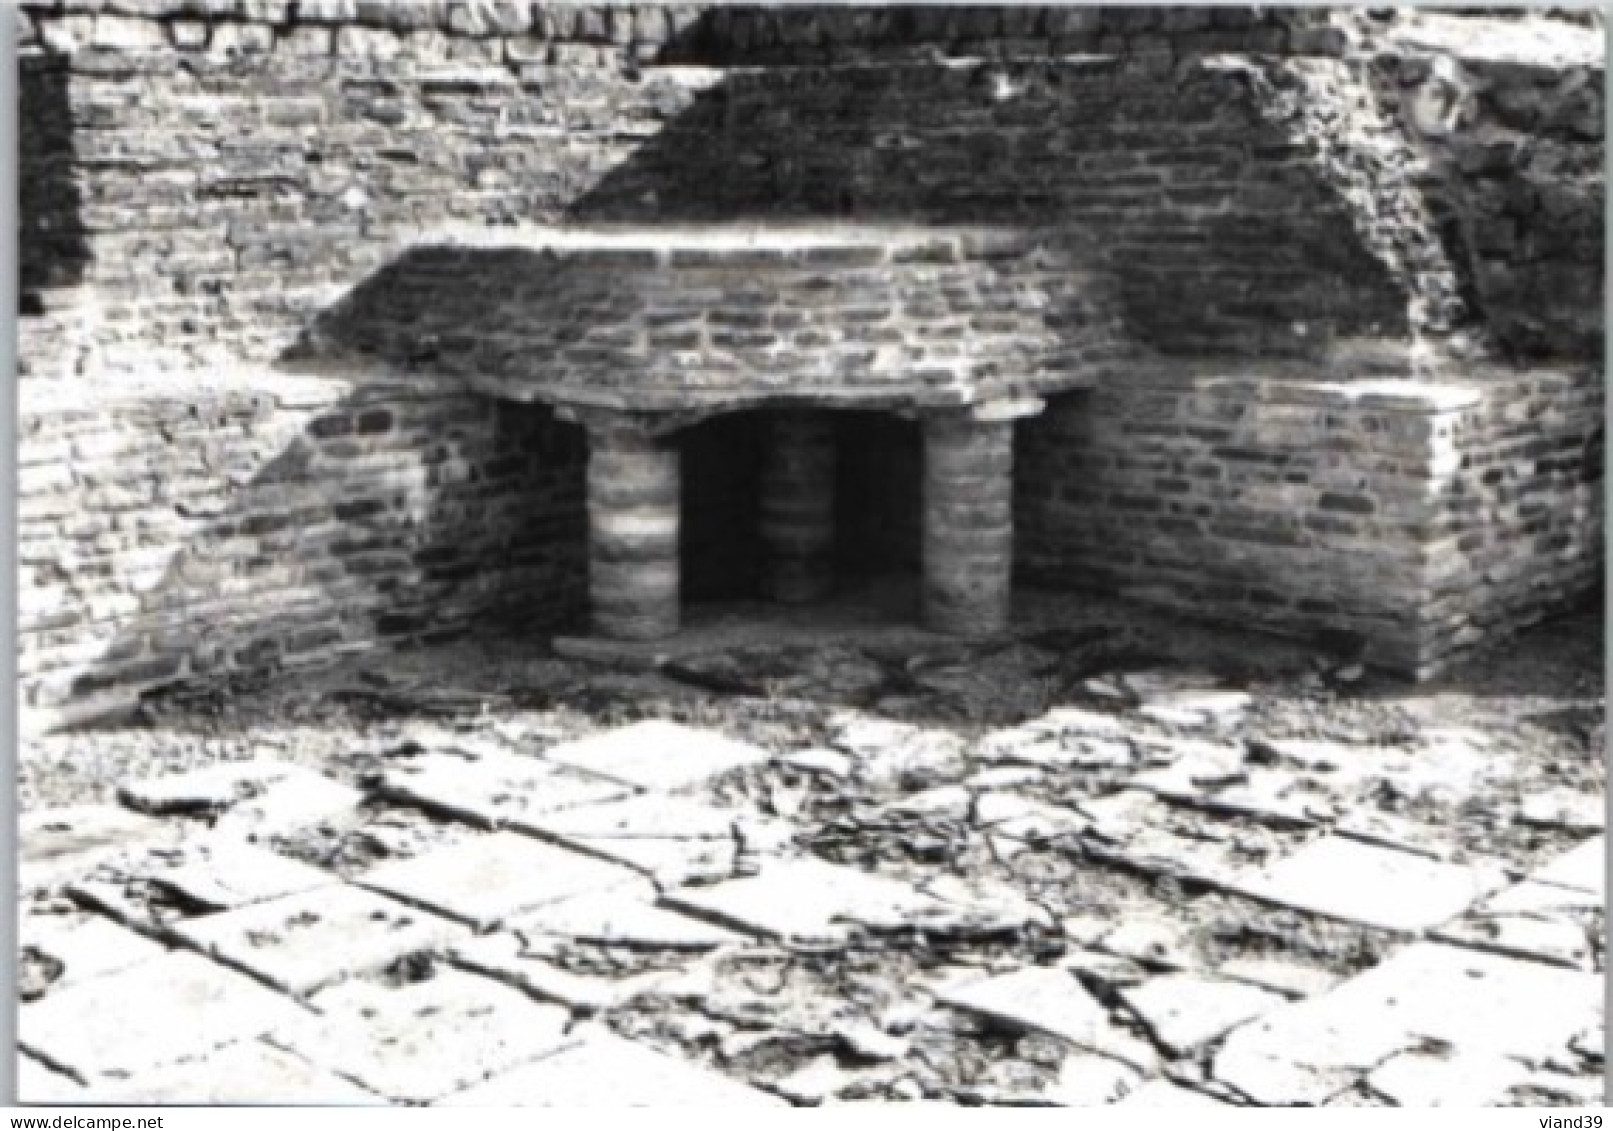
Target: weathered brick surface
(1423,518)
(195,529)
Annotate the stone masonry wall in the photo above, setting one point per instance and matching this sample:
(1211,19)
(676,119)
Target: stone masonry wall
(1415,520)
(202,530)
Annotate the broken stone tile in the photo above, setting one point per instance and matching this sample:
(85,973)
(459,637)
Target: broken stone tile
(1273,795)
(624,917)
(1305,1052)
(1154,942)
(495,790)
(1379,887)
(58,844)
(1042,998)
(485,880)
(983,904)
(1079,722)
(1288,978)
(1530,920)
(1563,809)
(172,1008)
(1163,1093)
(39,1084)
(506,957)
(607,1071)
(808,900)
(1087,1080)
(1454,1078)
(304,941)
(247,1072)
(88,949)
(648,816)
(1024,818)
(1186,1011)
(657,755)
(296,798)
(1583,867)
(221,872)
(423,1040)
(670,838)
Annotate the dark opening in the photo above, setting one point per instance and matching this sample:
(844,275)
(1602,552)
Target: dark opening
(877,502)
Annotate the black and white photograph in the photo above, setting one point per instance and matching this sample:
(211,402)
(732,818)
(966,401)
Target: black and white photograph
(794,555)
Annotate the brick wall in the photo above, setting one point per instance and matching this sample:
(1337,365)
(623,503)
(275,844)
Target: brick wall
(203,528)
(1419,520)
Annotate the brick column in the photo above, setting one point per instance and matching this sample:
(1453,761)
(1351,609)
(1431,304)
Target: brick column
(797,507)
(633,515)
(968,518)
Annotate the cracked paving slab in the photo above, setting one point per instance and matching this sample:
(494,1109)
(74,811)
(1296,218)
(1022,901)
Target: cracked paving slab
(88,948)
(173,1008)
(1305,1052)
(494,789)
(422,1040)
(247,1072)
(54,845)
(607,1071)
(212,872)
(657,755)
(301,942)
(1362,883)
(626,917)
(1186,1011)
(809,901)
(1050,1000)
(485,880)
(1531,920)
(254,797)
(508,958)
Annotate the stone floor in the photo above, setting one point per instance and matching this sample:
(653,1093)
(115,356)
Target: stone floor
(1156,884)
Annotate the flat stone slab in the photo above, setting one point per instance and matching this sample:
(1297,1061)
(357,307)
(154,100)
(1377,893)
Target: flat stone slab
(1043,998)
(1531,920)
(485,880)
(1087,1080)
(420,1041)
(39,1084)
(1185,1011)
(808,900)
(495,790)
(221,872)
(1287,978)
(1362,883)
(624,917)
(657,755)
(607,1071)
(1452,1079)
(506,957)
(670,838)
(172,1008)
(248,1072)
(1163,1093)
(1307,1051)
(1583,868)
(58,844)
(304,941)
(1564,809)
(224,785)
(87,949)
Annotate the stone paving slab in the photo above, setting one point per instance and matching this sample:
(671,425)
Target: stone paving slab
(1088,1080)
(486,880)
(87,949)
(808,900)
(296,799)
(1307,1051)
(506,957)
(247,1072)
(421,1041)
(495,790)
(607,1071)
(657,755)
(1583,867)
(1288,978)
(58,844)
(214,788)
(1455,1078)
(1187,1011)
(626,916)
(1046,999)
(220,872)
(304,941)
(1531,920)
(172,1008)
(1163,1093)
(1378,887)
(39,1084)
